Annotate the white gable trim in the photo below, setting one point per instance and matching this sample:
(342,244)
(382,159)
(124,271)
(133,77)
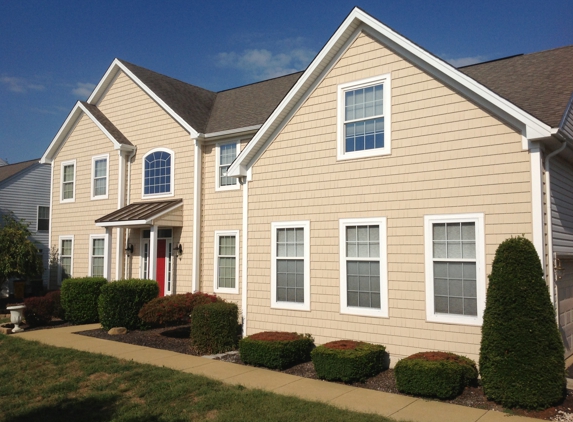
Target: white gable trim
(109,76)
(356,22)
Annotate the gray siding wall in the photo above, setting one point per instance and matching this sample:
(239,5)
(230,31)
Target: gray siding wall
(562,205)
(22,194)
(568,123)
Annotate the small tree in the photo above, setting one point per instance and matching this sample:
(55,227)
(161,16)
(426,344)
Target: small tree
(19,256)
(521,357)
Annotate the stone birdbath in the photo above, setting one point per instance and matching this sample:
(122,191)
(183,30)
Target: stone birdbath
(16,313)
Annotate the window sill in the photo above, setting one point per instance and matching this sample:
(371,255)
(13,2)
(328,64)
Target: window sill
(369,312)
(291,306)
(454,319)
(343,156)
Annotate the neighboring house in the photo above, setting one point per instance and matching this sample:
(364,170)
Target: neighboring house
(363,198)
(25,191)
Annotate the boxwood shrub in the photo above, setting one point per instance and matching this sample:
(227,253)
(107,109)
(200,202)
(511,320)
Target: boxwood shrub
(214,327)
(348,361)
(174,309)
(275,349)
(435,374)
(120,302)
(79,299)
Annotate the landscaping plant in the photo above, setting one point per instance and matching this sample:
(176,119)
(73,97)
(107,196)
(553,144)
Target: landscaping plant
(435,374)
(174,309)
(79,299)
(39,311)
(120,302)
(214,327)
(55,297)
(348,361)
(276,350)
(521,356)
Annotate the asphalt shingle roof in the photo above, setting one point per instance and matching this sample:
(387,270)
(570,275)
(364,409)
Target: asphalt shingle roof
(10,170)
(105,122)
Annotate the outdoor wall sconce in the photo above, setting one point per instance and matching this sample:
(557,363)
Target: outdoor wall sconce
(179,250)
(559,270)
(129,249)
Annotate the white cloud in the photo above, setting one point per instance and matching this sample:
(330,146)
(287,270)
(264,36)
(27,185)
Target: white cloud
(16,84)
(83,89)
(465,61)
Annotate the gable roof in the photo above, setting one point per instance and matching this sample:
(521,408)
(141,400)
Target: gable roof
(540,83)
(355,23)
(10,170)
(106,123)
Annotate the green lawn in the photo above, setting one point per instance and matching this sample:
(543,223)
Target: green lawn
(44,383)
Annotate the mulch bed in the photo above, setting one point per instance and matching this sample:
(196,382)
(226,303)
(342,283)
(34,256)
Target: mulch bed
(176,339)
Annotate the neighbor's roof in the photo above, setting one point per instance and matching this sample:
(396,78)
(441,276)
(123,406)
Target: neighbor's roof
(10,170)
(539,83)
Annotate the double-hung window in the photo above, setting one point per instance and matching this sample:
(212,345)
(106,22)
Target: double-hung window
(68,185)
(455,268)
(158,171)
(226,261)
(43,223)
(66,257)
(364,118)
(100,173)
(226,153)
(290,265)
(97,255)
(363,267)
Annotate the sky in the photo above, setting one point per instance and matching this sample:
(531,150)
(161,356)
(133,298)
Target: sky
(52,54)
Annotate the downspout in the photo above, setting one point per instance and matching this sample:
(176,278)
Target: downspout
(127,201)
(550,256)
(245,233)
(196,213)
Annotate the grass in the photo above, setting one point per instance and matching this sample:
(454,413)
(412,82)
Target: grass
(44,383)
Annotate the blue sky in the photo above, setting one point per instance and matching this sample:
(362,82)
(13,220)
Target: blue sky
(53,53)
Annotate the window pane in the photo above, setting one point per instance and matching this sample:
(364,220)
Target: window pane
(439,231)
(44,212)
(98,247)
(468,231)
(469,250)
(66,247)
(453,231)
(156,165)
(363,284)
(97,267)
(439,249)
(290,280)
(455,288)
(99,187)
(69,173)
(100,169)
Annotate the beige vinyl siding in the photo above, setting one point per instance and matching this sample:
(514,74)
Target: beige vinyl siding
(148,126)
(221,210)
(448,157)
(78,218)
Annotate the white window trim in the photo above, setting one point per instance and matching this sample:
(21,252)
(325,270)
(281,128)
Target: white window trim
(290,305)
(38,218)
(350,86)
(62,165)
(94,159)
(353,310)
(65,237)
(218,187)
(91,255)
(172,186)
(478,219)
(216,288)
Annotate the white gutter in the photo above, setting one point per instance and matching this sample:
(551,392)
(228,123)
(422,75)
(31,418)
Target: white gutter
(244,251)
(196,214)
(232,131)
(550,224)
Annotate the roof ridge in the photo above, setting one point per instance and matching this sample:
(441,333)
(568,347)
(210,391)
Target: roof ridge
(517,55)
(260,82)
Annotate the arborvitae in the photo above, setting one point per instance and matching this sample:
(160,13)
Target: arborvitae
(521,358)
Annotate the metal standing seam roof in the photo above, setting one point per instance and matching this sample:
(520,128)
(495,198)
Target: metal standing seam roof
(106,123)
(10,170)
(139,211)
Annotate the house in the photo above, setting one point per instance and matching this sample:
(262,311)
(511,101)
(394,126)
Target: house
(25,191)
(363,198)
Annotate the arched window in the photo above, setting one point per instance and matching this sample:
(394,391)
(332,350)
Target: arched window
(158,173)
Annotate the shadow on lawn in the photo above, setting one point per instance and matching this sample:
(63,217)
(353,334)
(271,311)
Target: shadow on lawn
(90,409)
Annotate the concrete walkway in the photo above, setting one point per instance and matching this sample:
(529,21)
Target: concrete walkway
(358,399)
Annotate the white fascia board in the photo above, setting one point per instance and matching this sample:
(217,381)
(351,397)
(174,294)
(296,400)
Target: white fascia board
(358,21)
(232,132)
(62,134)
(108,77)
(116,144)
(122,223)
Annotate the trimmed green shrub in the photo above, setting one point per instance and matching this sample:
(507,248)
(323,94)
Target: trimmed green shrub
(56,299)
(38,311)
(521,356)
(214,327)
(175,309)
(120,302)
(276,350)
(79,298)
(348,361)
(435,374)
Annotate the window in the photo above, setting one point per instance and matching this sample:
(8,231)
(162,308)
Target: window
(100,172)
(290,265)
(97,256)
(363,263)
(226,153)
(158,173)
(226,258)
(43,223)
(66,257)
(455,269)
(68,187)
(364,118)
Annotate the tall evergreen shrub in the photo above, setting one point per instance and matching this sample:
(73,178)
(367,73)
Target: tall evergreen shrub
(521,356)
(79,298)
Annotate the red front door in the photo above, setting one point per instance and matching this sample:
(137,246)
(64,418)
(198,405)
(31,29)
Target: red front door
(160,271)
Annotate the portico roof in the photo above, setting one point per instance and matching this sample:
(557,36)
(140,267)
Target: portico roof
(139,213)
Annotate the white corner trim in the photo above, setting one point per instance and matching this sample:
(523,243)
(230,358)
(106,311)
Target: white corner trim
(245,262)
(107,163)
(295,306)
(479,220)
(382,259)
(50,246)
(537,202)
(62,165)
(216,288)
(172,183)
(197,186)
(218,187)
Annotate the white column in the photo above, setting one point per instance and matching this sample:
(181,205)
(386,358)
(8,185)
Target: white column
(107,258)
(153,253)
(196,216)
